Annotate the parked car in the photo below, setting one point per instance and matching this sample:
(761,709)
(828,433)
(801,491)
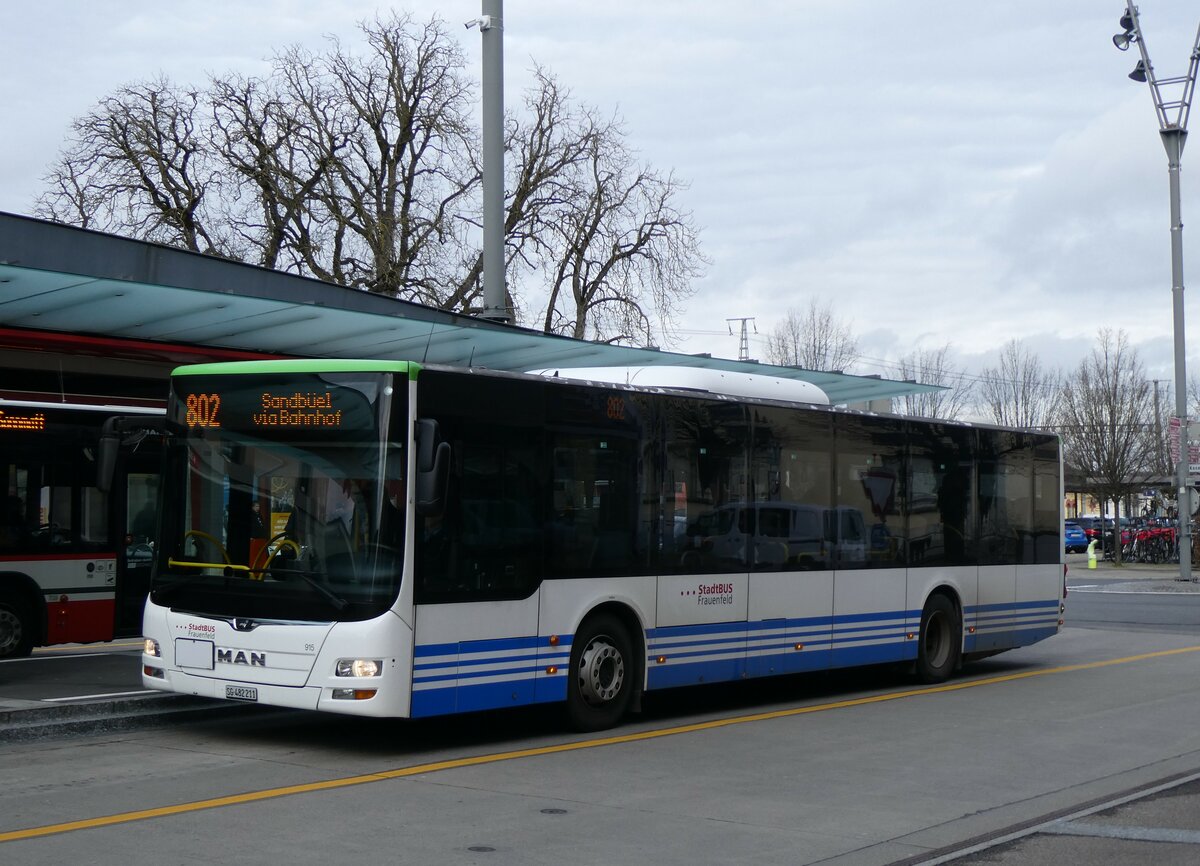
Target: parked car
(1090,527)
(1075,540)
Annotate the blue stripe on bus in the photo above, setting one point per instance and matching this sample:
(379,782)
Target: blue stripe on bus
(485,696)
(707,653)
(726,670)
(882,616)
(494,645)
(739,629)
(1012,605)
(707,628)
(865,628)
(520,672)
(491,660)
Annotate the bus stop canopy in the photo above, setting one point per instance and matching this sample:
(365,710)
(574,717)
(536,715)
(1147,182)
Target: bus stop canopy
(58,278)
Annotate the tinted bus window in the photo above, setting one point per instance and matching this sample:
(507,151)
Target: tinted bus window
(941,499)
(1047,499)
(488,543)
(704,484)
(792,471)
(599,520)
(867,527)
(1005,498)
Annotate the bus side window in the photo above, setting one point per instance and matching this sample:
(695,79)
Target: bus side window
(13,530)
(488,541)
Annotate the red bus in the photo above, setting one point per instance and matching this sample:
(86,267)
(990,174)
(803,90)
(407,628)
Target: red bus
(74,560)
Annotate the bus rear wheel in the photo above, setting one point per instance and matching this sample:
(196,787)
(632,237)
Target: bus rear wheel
(941,640)
(603,672)
(16,630)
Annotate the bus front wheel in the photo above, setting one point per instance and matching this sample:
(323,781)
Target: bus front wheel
(940,640)
(16,630)
(601,681)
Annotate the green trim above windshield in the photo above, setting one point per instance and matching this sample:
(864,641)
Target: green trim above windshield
(303,365)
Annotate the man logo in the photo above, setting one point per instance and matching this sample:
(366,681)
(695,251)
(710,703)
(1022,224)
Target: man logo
(240,657)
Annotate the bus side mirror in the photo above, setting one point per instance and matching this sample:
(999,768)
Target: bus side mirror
(118,432)
(433,468)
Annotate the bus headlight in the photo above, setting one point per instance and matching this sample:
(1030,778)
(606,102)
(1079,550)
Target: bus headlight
(150,648)
(359,667)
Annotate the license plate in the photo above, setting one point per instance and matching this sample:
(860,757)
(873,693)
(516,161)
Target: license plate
(191,653)
(241,693)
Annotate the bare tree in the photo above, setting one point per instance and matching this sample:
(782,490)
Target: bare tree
(546,145)
(622,253)
(358,167)
(934,367)
(1019,392)
(392,193)
(139,164)
(279,159)
(1106,416)
(812,338)
(1193,398)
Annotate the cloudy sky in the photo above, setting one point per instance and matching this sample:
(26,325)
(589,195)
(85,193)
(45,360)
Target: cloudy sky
(945,172)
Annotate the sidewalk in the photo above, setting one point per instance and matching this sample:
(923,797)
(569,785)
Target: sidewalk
(1129,577)
(87,689)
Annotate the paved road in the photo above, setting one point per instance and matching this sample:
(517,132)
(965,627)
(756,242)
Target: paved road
(858,769)
(72,673)
(1057,752)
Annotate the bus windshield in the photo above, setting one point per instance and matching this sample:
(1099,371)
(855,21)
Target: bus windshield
(288,498)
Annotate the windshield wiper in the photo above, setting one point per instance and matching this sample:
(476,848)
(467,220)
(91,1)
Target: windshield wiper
(333,598)
(163,591)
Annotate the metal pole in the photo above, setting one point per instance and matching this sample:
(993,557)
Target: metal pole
(495,295)
(1160,462)
(1172,126)
(1173,140)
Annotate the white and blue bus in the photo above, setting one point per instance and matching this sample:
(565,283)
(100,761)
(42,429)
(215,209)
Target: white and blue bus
(394,539)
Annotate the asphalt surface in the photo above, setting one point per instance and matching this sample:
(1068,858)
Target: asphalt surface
(71,690)
(80,689)
(71,687)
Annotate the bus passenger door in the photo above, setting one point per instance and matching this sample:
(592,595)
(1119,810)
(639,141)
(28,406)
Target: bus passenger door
(478,566)
(136,536)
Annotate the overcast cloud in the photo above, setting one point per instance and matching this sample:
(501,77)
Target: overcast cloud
(947,172)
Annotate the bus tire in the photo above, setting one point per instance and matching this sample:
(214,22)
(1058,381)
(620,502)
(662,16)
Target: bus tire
(603,674)
(940,640)
(16,629)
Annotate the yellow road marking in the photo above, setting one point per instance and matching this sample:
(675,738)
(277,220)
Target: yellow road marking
(480,760)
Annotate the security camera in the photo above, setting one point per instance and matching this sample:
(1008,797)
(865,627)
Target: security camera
(484,22)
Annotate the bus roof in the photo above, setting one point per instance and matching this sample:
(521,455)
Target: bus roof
(726,382)
(302,365)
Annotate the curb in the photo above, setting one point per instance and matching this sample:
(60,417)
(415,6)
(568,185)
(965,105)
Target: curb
(22,725)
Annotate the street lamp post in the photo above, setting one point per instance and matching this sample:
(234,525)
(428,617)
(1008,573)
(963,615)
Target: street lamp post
(1172,126)
(491,27)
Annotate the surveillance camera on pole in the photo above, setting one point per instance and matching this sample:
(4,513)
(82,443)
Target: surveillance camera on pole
(1172,127)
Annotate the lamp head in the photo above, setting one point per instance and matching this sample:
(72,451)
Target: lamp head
(1126,21)
(1139,71)
(1123,40)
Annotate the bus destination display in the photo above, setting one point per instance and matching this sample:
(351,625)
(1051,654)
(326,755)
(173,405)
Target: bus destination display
(270,409)
(9,421)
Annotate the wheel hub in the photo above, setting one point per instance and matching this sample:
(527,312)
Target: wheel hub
(601,672)
(10,632)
